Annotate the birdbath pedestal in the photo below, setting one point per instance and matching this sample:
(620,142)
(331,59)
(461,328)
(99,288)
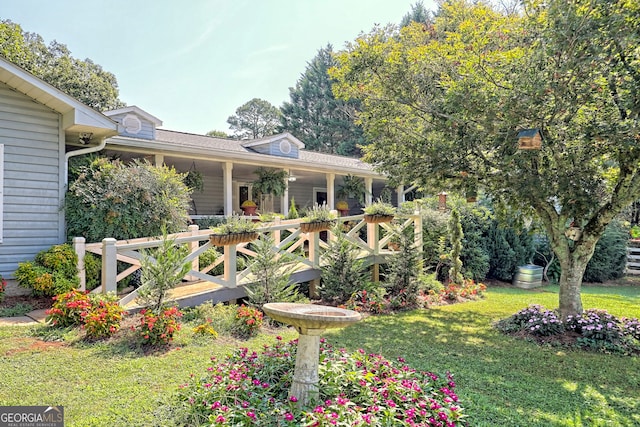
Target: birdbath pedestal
(310,320)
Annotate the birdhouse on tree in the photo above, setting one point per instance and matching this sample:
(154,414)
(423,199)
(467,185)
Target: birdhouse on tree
(529,139)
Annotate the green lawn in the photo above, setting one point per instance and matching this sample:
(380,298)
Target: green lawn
(501,381)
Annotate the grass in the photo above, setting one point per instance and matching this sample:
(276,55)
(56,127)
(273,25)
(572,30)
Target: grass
(501,381)
(19,309)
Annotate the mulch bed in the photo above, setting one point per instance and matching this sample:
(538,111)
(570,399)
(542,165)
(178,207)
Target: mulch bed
(37,303)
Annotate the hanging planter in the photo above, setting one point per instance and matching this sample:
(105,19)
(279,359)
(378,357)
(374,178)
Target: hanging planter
(318,218)
(379,212)
(235,230)
(316,226)
(194,179)
(232,238)
(377,219)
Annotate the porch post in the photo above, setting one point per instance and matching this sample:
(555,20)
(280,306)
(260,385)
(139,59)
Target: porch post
(230,258)
(368,196)
(79,248)
(227,184)
(109,266)
(159,159)
(331,198)
(193,246)
(373,241)
(284,200)
(314,257)
(400,191)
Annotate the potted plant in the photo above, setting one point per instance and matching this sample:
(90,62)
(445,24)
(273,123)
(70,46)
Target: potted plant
(194,180)
(343,207)
(270,183)
(317,218)
(249,207)
(233,231)
(352,188)
(379,211)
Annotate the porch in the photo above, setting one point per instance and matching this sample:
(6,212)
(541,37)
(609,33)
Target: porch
(199,285)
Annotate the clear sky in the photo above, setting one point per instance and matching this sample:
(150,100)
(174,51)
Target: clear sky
(191,63)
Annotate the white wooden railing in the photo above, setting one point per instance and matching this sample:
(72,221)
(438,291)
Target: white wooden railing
(633,258)
(129,251)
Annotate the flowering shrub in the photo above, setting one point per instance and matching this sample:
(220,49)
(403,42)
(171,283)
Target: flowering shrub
(67,308)
(594,329)
(598,329)
(205,329)
(454,292)
(155,329)
(631,327)
(3,287)
(367,301)
(248,321)
(356,389)
(103,318)
(536,320)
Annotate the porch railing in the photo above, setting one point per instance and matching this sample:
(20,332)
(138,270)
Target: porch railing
(374,246)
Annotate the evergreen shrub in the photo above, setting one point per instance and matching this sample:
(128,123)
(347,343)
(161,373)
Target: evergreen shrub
(124,201)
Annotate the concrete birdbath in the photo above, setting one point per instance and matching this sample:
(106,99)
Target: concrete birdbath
(310,320)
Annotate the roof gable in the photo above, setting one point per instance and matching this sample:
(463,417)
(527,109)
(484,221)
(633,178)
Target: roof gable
(281,145)
(135,122)
(77,118)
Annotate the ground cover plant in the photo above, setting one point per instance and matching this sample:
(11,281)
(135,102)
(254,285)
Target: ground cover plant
(501,380)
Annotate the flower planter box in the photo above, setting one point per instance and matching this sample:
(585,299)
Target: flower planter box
(376,219)
(232,239)
(310,227)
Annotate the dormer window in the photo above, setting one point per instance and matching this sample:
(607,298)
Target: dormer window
(132,124)
(285,146)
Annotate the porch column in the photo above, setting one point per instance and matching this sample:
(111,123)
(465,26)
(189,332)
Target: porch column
(331,197)
(227,184)
(368,195)
(400,191)
(159,159)
(284,200)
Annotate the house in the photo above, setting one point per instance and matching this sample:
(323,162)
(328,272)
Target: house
(37,122)
(41,128)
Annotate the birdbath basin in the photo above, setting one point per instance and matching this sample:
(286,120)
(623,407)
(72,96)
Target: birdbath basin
(310,320)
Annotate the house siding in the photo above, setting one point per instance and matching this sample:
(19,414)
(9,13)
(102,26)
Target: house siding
(33,156)
(273,149)
(211,200)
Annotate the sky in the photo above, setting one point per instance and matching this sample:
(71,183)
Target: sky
(192,63)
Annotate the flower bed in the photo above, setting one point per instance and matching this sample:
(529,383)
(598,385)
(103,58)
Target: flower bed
(355,389)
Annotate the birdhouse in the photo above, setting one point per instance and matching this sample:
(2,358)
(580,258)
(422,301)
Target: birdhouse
(529,139)
(442,201)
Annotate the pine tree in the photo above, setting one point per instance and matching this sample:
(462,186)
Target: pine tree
(162,269)
(272,276)
(316,117)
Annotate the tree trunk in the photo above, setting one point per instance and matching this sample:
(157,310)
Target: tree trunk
(573,262)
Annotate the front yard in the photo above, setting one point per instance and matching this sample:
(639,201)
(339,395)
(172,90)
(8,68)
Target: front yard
(500,380)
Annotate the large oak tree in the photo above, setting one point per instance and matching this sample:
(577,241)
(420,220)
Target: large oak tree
(443,104)
(83,79)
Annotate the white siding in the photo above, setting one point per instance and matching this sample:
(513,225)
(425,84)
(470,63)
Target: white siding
(32,158)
